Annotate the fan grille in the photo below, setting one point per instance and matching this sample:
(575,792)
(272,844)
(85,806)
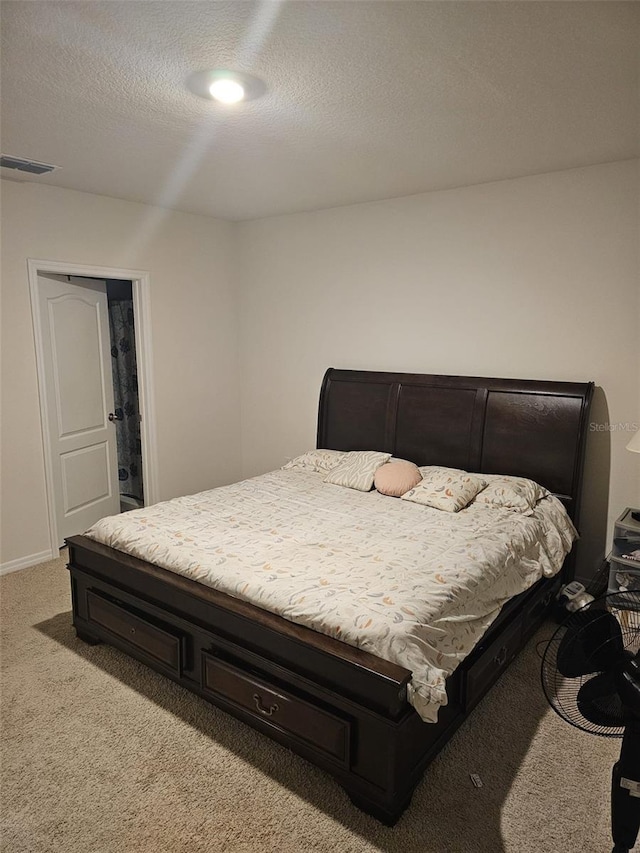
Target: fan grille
(562,692)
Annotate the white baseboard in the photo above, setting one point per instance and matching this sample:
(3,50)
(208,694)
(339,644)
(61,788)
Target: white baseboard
(25,562)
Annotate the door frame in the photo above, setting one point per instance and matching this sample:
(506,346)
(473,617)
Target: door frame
(141,290)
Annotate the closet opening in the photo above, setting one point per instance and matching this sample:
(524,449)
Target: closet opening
(126,411)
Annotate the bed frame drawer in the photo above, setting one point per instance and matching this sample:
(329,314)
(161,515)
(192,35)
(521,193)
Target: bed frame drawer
(537,607)
(322,730)
(490,664)
(141,634)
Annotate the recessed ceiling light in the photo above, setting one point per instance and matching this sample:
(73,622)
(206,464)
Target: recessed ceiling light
(226,87)
(227,91)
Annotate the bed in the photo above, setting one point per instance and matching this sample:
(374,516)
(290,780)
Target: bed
(339,705)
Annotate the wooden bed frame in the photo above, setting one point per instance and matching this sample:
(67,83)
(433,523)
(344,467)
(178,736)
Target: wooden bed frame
(341,708)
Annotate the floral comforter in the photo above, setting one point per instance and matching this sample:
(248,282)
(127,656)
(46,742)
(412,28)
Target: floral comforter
(411,584)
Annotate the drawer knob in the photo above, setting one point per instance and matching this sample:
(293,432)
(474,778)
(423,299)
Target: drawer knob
(267,712)
(132,630)
(501,657)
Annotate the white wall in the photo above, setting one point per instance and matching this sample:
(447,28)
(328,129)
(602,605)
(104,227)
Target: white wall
(529,278)
(194,329)
(535,277)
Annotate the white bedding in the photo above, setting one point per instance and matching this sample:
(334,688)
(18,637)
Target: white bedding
(411,584)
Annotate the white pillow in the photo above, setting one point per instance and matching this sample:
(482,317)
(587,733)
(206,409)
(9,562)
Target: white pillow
(514,493)
(357,469)
(445,488)
(428,470)
(315,461)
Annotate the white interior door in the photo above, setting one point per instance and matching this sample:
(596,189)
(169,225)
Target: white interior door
(78,398)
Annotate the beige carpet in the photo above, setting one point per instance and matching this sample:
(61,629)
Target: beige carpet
(102,755)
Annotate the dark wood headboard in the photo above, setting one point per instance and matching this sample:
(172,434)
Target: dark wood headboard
(523,427)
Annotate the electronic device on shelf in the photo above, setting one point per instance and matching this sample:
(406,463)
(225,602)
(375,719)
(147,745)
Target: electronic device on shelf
(591,678)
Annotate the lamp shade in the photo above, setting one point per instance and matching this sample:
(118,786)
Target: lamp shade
(634,444)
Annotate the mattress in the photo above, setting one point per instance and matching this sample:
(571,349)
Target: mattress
(413,585)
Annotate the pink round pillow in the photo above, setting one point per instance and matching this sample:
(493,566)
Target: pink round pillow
(396,478)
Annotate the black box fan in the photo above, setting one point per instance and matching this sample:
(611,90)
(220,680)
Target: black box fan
(591,677)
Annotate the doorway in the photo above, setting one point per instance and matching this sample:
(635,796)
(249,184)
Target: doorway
(126,407)
(92,323)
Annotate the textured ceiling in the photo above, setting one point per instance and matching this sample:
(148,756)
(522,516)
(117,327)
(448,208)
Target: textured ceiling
(365,100)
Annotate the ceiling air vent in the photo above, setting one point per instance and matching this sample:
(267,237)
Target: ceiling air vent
(22,165)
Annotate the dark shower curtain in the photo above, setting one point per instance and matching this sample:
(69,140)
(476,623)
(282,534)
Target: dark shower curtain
(125,387)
